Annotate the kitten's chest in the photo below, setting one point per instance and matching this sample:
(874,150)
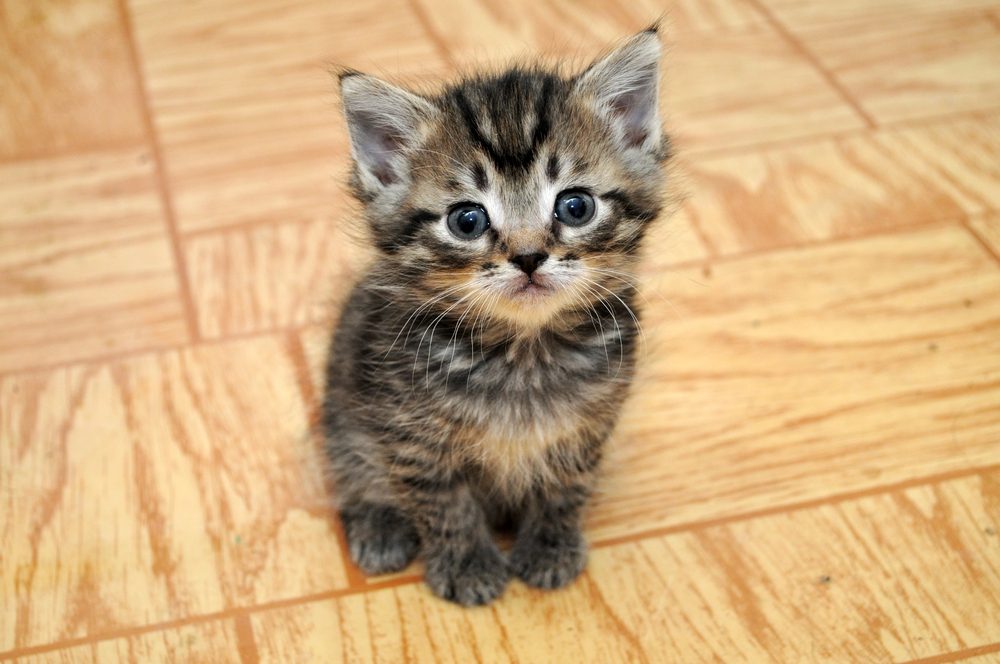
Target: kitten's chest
(512,410)
(525,404)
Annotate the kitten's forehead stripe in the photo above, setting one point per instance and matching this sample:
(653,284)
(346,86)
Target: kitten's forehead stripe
(505,104)
(479,175)
(552,168)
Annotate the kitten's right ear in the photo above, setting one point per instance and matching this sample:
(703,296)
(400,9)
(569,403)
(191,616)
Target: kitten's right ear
(384,123)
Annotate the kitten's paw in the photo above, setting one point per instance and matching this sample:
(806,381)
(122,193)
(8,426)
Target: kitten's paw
(381,539)
(471,579)
(549,560)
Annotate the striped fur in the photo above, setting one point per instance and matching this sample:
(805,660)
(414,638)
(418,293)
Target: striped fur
(456,400)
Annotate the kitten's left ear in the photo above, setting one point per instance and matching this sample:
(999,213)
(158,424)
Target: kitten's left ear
(624,87)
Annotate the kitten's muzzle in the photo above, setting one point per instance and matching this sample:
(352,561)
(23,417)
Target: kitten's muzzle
(529,262)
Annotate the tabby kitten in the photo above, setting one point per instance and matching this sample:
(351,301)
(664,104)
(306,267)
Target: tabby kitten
(480,363)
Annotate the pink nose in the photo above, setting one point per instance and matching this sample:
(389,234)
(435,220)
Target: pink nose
(529,262)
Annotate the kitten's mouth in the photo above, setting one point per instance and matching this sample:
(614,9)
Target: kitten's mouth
(531,289)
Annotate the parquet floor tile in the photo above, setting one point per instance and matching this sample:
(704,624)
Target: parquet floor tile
(86,268)
(839,187)
(66,79)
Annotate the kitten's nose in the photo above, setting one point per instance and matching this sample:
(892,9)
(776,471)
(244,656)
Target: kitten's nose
(529,262)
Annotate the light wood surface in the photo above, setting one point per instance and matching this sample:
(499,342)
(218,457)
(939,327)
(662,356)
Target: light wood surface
(809,468)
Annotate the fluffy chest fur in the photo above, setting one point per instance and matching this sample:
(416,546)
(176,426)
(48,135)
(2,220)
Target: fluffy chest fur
(514,407)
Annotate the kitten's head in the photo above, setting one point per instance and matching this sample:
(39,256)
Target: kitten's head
(522,194)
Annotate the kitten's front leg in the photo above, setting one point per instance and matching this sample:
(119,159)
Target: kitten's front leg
(550,550)
(463,564)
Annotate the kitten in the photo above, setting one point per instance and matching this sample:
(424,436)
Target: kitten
(480,363)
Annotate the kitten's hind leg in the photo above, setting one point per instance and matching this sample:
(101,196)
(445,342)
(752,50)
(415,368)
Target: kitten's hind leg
(380,538)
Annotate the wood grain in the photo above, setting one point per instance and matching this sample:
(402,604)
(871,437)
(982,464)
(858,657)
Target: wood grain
(799,14)
(85,262)
(479,31)
(808,469)
(272,276)
(65,78)
(248,118)
(205,643)
(729,90)
(987,228)
(841,187)
(156,488)
(795,375)
(909,574)
(900,70)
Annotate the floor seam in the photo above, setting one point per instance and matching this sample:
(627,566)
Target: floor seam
(987,247)
(817,64)
(159,166)
(958,655)
(801,141)
(246,642)
(833,499)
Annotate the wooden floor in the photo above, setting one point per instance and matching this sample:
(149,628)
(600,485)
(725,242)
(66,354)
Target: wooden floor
(809,469)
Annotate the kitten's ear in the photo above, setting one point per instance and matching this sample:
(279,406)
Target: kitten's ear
(384,123)
(624,86)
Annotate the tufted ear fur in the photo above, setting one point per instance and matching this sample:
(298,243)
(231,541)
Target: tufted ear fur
(384,123)
(624,88)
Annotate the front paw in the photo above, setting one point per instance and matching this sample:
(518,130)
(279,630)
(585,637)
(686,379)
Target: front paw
(548,560)
(381,539)
(470,578)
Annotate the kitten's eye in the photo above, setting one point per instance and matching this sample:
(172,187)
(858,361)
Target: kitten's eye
(575,208)
(467,221)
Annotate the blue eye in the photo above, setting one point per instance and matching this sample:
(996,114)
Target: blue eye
(575,208)
(468,221)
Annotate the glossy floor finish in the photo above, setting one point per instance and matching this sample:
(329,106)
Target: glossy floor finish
(809,469)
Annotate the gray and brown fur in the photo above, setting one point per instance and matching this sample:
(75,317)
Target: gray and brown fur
(452,405)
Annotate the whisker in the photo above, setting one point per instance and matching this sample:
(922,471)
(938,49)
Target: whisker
(430,343)
(621,343)
(454,336)
(631,313)
(588,308)
(416,311)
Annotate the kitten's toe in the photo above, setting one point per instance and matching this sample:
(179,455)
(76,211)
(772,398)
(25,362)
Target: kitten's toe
(549,560)
(381,539)
(471,579)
